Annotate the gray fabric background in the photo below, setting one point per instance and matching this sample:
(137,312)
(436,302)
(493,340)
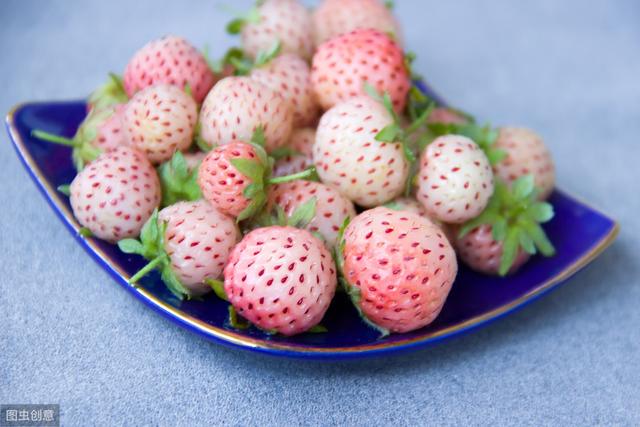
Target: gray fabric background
(69,335)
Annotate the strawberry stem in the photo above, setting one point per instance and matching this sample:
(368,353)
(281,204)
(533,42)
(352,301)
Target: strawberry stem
(147,268)
(300,175)
(57,139)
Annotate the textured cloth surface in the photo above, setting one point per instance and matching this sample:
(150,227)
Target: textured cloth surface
(70,335)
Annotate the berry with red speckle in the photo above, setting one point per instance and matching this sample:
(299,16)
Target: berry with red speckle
(114,195)
(169,60)
(281,279)
(343,64)
(300,156)
(455,180)
(398,268)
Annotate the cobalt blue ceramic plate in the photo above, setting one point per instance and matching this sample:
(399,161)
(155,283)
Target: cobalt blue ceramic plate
(579,232)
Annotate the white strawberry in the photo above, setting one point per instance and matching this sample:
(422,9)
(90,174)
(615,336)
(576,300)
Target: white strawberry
(237,106)
(288,75)
(160,120)
(114,195)
(189,242)
(455,179)
(525,154)
(349,157)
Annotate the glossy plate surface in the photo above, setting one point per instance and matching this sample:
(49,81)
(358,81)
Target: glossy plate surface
(579,232)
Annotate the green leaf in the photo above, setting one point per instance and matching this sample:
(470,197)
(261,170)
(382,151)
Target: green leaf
(372,91)
(252,169)
(131,246)
(187,90)
(540,239)
(173,283)
(254,207)
(304,214)
(251,190)
(65,189)
(282,152)
(389,133)
(389,4)
(281,216)
(509,251)
(318,329)
(499,229)
(258,136)
(218,288)
(540,212)
(527,243)
(150,233)
(523,186)
(264,57)
(236,26)
(235,320)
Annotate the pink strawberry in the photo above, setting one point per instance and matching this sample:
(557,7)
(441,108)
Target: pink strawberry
(526,154)
(160,120)
(331,208)
(189,242)
(455,179)
(409,204)
(348,156)
(100,131)
(169,60)
(237,106)
(235,177)
(480,251)
(335,17)
(288,75)
(301,145)
(508,231)
(284,21)
(399,268)
(115,194)
(343,64)
(281,279)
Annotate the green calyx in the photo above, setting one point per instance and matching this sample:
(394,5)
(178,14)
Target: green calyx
(82,142)
(485,136)
(259,171)
(218,288)
(252,17)
(514,215)
(109,94)
(396,133)
(299,218)
(241,63)
(177,181)
(151,247)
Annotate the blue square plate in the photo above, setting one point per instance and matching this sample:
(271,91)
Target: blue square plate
(579,232)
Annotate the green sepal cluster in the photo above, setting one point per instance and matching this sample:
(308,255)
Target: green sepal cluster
(151,247)
(177,181)
(235,26)
(408,136)
(352,291)
(64,189)
(514,215)
(241,63)
(109,94)
(299,218)
(259,171)
(82,142)
(485,136)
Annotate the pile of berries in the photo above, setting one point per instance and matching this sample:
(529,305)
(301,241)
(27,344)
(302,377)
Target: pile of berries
(304,163)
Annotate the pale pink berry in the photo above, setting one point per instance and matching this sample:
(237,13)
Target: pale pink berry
(198,240)
(169,60)
(288,75)
(236,106)
(446,116)
(480,251)
(159,121)
(114,195)
(285,21)
(526,154)
(349,158)
(109,132)
(335,17)
(331,207)
(401,264)
(301,143)
(281,279)
(455,179)
(342,65)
